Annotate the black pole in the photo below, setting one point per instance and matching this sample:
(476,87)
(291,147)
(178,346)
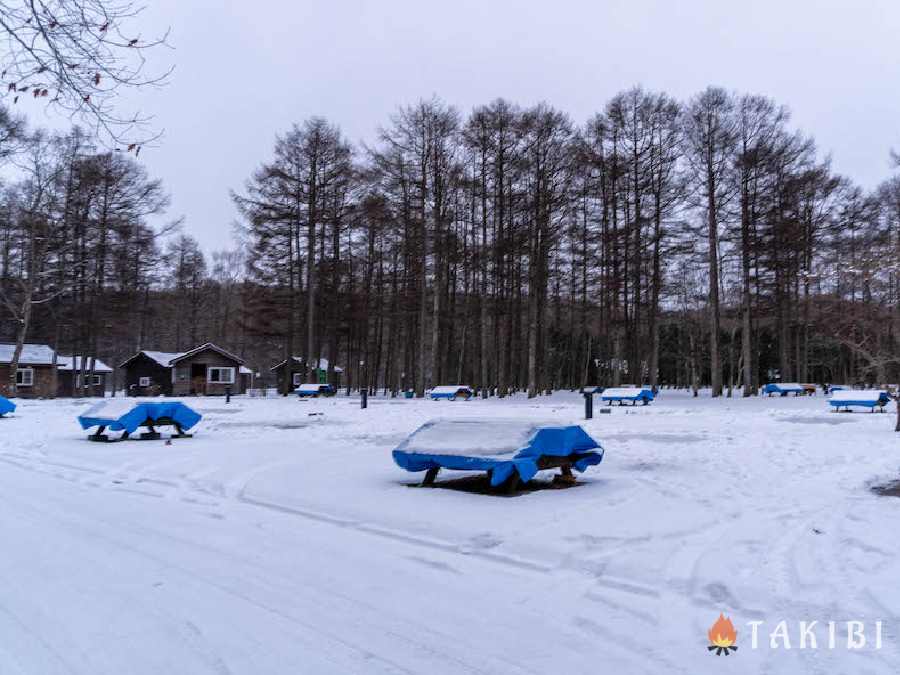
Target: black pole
(588,405)
(227,394)
(364,398)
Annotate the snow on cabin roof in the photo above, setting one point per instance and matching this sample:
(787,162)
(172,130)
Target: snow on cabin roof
(168,359)
(244,370)
(163,358)
(207,345)
(32,355)
(74,363)
(323,364)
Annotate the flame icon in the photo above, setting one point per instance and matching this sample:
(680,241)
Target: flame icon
(722,636)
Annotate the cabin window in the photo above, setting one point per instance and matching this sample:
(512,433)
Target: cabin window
(92,380)
(24,377)
(219,375)
(298,379)
(144,382)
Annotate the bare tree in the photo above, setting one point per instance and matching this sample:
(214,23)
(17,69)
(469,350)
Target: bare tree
(78,56)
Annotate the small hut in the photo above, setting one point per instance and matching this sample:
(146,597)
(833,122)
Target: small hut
(298,374)
(207,370)
(36,372)
(82,376)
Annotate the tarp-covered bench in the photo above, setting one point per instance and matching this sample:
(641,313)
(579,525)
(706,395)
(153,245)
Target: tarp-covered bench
(451,392)
(623,395)
(784,388)
(314,390)
(6,406)
(128,416)
(510,451)
(857,398)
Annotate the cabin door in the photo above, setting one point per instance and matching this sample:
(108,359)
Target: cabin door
(198,378)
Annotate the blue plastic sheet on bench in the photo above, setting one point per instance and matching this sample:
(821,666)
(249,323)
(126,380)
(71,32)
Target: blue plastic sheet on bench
(783,389)
(6,406)
(627,394)
(128,416)
(862,399)
(500,447)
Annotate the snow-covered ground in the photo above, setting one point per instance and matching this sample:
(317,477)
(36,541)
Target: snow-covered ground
(279,541)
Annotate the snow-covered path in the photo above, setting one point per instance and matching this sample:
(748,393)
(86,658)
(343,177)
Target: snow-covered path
(279,542)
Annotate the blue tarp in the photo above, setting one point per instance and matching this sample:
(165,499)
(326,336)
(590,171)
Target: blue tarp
(312,390)
(852,398)
(6,406)
(499,447)
(128,416)
(784,388)
(451,392)
(633,394)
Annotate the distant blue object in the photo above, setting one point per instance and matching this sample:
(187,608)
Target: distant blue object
(502,447)
(6,406)
(622,395)
(784,388)
(451,392)
(315,390)
(867,398)
(127,416)
(409,393)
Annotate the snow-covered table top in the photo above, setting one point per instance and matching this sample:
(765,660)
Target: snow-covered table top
(449,388)
(861,395)
(624,392)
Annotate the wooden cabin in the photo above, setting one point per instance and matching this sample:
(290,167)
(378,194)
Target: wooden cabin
(71,371)
(207,370)
(298,373)
(35,375)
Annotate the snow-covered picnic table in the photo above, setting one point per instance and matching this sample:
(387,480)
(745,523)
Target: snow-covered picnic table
(509,450)
(627,394)
(784,388)
(314,390)
(126,416)
(861,398)
(451,392)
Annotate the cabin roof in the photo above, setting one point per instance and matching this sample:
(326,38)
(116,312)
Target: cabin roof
(32,354)
(68,363)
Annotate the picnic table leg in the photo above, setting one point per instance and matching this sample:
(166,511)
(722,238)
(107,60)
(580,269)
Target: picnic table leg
(565,476)
(98,435)
(180,432)
(150,435)
(430,476)
(512,483)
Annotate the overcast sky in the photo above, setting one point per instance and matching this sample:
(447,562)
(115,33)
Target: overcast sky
(247,70)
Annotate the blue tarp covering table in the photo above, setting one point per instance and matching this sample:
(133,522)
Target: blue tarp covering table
(784,388)
(505,448)
(314,390)
(6,406)
(634,395)
(127,416)
(451,392)
(868,398)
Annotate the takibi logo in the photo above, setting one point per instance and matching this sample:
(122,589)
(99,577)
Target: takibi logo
(818,634)
(722,636)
